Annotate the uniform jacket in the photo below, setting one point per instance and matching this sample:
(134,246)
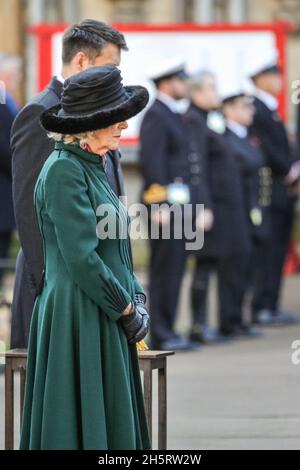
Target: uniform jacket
(256,188)
(270,130)
(224,189)
(166,154)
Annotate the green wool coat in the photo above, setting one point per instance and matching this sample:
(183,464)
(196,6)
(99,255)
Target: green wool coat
(83,386)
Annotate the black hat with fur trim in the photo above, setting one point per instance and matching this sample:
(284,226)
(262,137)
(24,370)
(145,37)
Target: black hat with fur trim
(92,100)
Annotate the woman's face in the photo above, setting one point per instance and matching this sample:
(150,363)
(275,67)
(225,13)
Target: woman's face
(108,138)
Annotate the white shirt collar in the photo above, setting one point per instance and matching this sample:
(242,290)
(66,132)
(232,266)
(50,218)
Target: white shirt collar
(269,100)
(238,129)
(60,78)
(168,101)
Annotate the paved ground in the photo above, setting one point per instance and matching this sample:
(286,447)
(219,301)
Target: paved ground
(243,395)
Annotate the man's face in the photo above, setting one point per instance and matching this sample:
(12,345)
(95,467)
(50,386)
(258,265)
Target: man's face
(179,88)
(269,82)
(241,110)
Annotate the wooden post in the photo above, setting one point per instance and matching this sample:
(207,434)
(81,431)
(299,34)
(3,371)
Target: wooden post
(22,391)
(148,394)
(162,406)
(15,359)
(149,361)
(9,405)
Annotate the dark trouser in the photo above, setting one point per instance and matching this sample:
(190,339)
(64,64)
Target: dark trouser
(22,305)
(232,286)
(232,275)
(270,256)
(199,290)
(5,241)
(167,263)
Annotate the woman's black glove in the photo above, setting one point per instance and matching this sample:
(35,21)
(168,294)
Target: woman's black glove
(136,324)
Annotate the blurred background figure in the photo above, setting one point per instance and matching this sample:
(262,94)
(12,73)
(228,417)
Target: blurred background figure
(10,76)
(271,252)
(228,238)
(204,98)
(239,111)
(164,161)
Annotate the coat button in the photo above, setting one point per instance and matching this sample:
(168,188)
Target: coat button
(266,180)
(195,169)
(265,171)
(193,157)
(265,192)
(264,201)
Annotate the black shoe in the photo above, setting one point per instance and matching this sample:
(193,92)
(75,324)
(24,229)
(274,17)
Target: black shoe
(267,317)
(228,334)
(264,317)
(249,331)
(237,331)
(205,335)
(178,344)
(286,318)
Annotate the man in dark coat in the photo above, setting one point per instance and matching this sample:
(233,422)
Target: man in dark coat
(223,240)
(270,130)
(9,77)
(85,45)
(238,110)
(166,161)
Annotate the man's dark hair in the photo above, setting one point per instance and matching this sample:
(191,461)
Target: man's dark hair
(90,37)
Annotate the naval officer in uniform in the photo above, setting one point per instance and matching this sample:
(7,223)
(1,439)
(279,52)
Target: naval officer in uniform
(172,175)
(269,128)
(239,111)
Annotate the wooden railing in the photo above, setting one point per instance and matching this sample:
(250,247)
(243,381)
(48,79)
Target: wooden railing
(16,360)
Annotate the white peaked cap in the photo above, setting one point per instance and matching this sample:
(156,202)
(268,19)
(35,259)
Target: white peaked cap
(232,91)
(264,61)
(165,67)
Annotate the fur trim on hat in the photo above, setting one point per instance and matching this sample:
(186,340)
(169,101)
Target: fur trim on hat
(138,98)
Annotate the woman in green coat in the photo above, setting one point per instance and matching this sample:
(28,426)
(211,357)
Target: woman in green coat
(83,386)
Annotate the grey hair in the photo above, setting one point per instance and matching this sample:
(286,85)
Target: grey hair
(81,138)
(7,60)
(197,81)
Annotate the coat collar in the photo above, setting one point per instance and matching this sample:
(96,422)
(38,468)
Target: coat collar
(237,129)
(269,101)
(56,86)
(200,111)
(77,150)
(168,101)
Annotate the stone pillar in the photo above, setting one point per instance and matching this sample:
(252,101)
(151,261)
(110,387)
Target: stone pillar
(101,10)
(11,26)
(166,11)
(36,12)
(237,11)
(12,33)
(204,11)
